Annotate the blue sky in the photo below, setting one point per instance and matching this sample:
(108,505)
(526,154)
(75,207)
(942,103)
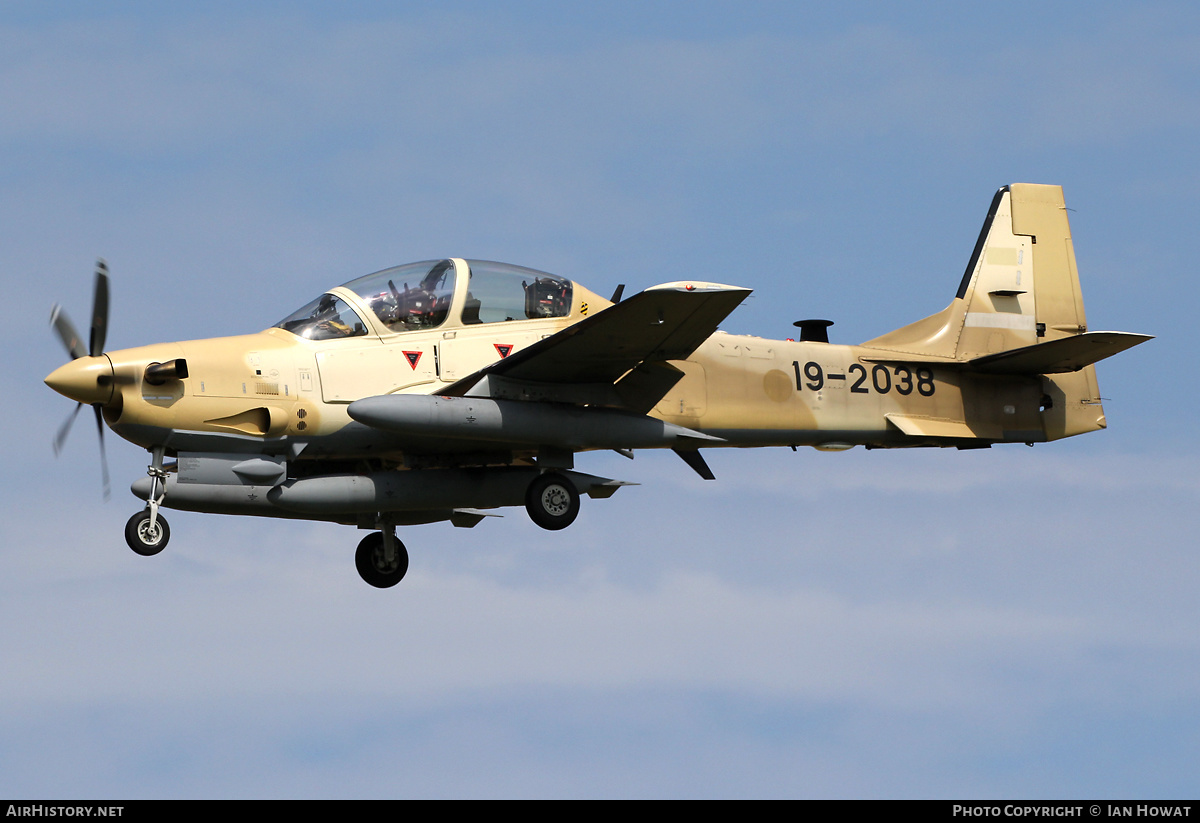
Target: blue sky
(1009,623)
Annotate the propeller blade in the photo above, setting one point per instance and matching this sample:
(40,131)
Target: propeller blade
(66,332)
(103,453)
(99,310)
(70,338)
(65,429)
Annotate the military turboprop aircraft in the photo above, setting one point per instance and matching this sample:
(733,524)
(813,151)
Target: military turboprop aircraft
(444,389)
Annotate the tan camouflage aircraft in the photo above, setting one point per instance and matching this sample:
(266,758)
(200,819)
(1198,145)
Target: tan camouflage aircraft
(445,389)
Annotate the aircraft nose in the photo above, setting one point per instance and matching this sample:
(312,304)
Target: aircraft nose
(86,380)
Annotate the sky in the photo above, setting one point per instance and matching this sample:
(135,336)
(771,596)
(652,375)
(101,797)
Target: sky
(1011,622)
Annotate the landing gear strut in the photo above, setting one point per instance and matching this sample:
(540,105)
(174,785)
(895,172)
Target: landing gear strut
(147,531)
(552,501)
(380,564)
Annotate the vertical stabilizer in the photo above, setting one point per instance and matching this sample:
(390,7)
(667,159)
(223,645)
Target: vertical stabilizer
(1020,287)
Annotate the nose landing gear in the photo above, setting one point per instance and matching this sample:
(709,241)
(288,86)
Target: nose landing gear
(147,531)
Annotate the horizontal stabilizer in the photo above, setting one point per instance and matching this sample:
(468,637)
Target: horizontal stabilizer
(1066,354)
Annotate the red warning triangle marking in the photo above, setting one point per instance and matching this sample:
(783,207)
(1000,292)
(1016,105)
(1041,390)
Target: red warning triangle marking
(505,349)
(412,357)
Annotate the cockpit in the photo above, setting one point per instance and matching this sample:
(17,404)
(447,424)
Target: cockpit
(431,294)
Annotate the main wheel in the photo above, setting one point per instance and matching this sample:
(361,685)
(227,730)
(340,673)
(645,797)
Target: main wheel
(144,540)
(372,565)
(552,501)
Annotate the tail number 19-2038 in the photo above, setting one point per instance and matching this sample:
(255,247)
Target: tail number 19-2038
(902,379)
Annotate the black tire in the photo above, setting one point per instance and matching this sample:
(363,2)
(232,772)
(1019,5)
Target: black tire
(552,501)
(371,566)
(141,539)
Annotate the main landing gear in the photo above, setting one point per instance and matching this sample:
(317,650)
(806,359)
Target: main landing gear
(552,501)
(147,531)
(381,559)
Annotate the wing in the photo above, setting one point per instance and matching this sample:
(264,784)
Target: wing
(617,357)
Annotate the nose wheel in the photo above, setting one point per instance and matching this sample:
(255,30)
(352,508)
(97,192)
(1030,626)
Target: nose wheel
(147,535)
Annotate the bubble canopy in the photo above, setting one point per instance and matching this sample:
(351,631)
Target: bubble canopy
(423,295)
